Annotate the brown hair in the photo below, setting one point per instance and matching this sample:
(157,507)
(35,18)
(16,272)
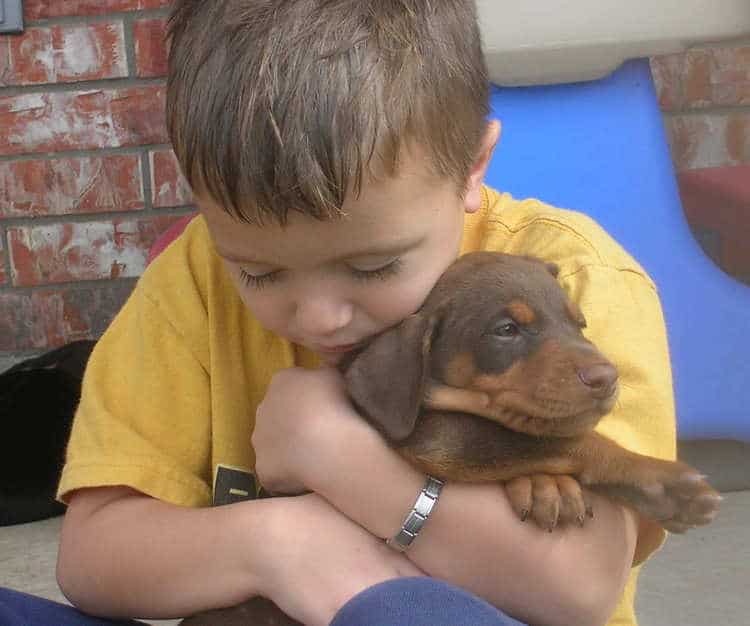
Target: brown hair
(278,105)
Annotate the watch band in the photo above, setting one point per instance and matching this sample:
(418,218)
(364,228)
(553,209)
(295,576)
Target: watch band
(418,515)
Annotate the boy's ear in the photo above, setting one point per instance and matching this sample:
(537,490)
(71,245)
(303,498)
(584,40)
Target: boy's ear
(473,195)
(386,381)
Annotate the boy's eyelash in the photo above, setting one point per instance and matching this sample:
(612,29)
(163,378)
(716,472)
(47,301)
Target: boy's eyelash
(258,282)
(381,273)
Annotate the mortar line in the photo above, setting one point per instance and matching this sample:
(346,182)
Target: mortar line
(722,110)
(98,216)
(128,26)
(82,86)
(90,19)
(76,285)
(85,153)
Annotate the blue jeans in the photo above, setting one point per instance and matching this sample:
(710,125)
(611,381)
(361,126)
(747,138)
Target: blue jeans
(21,609)
(401,602)
(419,601)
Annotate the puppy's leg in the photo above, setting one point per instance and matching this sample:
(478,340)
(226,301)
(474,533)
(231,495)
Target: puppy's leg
(669,492)
(464,447)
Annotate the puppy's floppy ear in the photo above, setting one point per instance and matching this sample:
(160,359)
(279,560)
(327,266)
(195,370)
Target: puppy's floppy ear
(386,380)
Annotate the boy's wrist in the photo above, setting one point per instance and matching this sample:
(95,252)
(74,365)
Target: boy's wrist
(335,442)
(278,527)
(364,478)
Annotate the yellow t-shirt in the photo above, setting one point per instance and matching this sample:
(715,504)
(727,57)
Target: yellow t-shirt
(172,387)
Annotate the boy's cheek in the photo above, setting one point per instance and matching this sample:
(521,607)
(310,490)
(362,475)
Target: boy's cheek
(263,309)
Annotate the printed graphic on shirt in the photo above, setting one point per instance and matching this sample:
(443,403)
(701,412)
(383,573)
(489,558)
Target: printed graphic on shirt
(233,484)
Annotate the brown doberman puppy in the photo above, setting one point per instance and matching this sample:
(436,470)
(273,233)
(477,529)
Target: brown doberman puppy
(493,380)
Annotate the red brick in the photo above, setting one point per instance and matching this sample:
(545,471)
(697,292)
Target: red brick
(82,120)
(668,71)
(709,139)
(64,53)
(703,77)
(71,185)
(698,74)
(168,185)
(38,9)
(57,253)
(150,47)
(51,318)
(730,76)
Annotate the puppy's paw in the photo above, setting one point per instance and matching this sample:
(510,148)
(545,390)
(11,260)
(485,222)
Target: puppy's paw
(682,499)
(549,500)
(673,494)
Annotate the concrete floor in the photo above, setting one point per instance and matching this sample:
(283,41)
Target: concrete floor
(702,577)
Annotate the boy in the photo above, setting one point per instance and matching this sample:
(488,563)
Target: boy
(337,151)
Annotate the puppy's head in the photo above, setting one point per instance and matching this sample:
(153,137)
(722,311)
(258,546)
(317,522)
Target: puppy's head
(495,323)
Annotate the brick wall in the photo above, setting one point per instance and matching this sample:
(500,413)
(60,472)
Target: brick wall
(705,95)
(87,180)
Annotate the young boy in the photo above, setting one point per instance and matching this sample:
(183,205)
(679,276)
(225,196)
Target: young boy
(337,151)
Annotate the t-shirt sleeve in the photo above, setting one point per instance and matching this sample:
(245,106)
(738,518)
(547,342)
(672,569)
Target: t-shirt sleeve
(144,416)
(625,321)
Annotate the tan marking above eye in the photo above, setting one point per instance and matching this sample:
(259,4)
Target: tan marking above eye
(575,313)
(521,312)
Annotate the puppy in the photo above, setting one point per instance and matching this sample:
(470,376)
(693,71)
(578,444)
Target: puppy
(493,380)
(499,345)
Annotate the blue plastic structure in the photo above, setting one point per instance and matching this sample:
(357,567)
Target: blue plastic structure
(600,148)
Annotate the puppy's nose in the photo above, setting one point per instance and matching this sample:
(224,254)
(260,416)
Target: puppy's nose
(600,377)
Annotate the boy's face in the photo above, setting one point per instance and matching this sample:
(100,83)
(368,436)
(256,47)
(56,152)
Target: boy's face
(329,286)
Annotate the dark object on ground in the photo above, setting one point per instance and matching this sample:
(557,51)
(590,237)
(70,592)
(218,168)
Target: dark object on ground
(38,398)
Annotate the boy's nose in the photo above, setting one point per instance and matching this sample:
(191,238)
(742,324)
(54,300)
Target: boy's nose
(320,317)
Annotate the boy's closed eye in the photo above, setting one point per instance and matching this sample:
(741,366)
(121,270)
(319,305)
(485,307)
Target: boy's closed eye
(361,271)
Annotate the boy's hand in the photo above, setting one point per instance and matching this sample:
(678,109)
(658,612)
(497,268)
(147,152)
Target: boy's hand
(302,418)
(322,559)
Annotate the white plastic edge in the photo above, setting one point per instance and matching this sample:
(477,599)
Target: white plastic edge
(531,42)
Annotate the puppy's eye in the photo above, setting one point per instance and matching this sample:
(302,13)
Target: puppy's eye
(507,329)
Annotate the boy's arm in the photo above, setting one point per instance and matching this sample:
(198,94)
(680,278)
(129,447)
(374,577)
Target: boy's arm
(472,539)
(124,554)
(476,541)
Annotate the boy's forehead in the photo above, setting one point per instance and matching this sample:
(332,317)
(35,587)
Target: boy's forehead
(388,213)
(389,230)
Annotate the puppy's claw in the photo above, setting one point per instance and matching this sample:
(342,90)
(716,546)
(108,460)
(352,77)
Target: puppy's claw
(694,477)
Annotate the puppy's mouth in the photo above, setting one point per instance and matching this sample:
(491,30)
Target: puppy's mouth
(537,421)
(549,426)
